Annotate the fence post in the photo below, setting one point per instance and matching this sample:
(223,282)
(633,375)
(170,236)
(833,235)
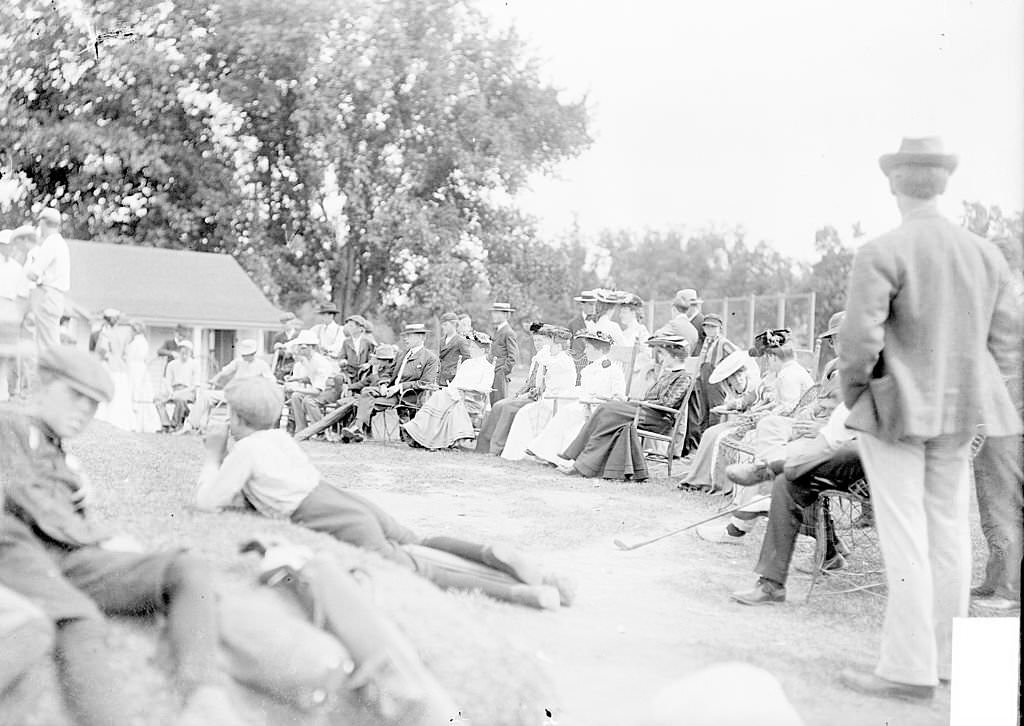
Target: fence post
(650,315)
(725,317)
(780,312)
(811,316)
(752,311)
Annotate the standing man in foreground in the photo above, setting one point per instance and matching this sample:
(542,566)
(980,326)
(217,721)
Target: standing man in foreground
(504,349)
(49,267)
(932,328)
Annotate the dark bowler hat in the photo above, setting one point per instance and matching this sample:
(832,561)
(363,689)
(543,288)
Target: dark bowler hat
(81,370)
(927,151)
(596,335)
(327,309)
(414,329)
(503,307)
(359,320)
(833,324)
(712,319)
(449,318)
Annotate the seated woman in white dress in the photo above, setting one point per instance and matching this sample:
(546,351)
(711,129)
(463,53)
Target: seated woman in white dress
(557,378)
(744,390)
(607,309)
(446,417)
(635,333)
(600,381)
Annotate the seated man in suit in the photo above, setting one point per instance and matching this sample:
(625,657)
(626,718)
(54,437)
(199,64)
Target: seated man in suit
(453,349)
(416,372)
(832,454)
(357,348)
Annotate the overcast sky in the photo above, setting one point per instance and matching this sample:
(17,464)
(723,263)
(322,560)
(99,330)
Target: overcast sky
(772,113)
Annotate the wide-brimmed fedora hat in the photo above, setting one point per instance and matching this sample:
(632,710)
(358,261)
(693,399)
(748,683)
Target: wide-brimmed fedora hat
(306,337)
(925,151)
(598,336)
(833,324)
(503,307)
(730,364)
(414,329)
(385,351)
(328,309)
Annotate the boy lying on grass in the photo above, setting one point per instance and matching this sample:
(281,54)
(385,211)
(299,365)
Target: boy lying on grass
(266,471)
(68,566)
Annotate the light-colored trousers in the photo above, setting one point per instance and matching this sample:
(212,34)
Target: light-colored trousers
(921,491)
(47,307)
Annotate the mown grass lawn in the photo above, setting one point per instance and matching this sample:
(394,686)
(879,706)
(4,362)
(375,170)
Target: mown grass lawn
(642,618)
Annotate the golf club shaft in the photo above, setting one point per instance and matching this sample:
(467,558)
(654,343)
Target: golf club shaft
(674,532)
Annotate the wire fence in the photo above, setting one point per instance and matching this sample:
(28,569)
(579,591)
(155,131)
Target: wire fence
(745,317)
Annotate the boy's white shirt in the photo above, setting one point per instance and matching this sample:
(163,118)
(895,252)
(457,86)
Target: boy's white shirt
(268,466)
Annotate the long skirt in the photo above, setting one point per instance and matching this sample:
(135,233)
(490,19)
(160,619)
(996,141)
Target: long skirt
(529,422)
(563,427)
(700,469)
(118,411)
(608,445)
(495,428)
(441,422)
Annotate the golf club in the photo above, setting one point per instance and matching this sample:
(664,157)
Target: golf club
(625,547)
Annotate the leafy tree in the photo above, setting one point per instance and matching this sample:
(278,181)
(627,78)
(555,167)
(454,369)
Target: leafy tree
(829,274)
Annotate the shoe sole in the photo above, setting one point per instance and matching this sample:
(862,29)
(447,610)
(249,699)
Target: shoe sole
(755,603)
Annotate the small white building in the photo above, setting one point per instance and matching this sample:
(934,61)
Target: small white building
(207,292)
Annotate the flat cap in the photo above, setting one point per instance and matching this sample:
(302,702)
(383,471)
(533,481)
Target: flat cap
(81,370)
(359,320)
(712,319)
(449,318)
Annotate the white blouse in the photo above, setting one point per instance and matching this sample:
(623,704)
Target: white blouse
(602,379)
(473,374)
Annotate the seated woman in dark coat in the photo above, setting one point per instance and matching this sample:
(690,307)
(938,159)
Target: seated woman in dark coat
(608,446)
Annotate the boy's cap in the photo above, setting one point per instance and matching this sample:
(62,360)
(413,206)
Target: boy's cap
(247,347)
(449,318)
(81,370)
(258,400)
(358,320)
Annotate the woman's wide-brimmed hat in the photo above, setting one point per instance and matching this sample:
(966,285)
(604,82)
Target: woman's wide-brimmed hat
(480,338)
(535,327)
(557,332)
(769,339)
(926,151)
(598,336)
(630,299)
(738,359)
(673,342)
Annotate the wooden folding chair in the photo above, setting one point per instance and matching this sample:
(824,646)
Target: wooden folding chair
(671,439)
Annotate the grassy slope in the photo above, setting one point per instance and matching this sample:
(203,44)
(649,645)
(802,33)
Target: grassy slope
(643,618)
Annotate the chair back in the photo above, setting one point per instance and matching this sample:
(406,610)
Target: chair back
(624,355)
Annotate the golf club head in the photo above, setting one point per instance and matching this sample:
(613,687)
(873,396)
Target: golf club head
(621,545)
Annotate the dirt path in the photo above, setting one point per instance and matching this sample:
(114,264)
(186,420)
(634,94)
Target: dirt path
(643,618)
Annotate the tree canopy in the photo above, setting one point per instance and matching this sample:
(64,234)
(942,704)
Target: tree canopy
(365,150)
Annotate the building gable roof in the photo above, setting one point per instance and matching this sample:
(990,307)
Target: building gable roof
(165,286)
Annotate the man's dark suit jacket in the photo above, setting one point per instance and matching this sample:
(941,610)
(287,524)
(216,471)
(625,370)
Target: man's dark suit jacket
(352,358)
(420,372)
(451,353)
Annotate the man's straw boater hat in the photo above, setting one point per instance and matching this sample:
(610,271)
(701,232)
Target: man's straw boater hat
(927,151)
(503,307)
